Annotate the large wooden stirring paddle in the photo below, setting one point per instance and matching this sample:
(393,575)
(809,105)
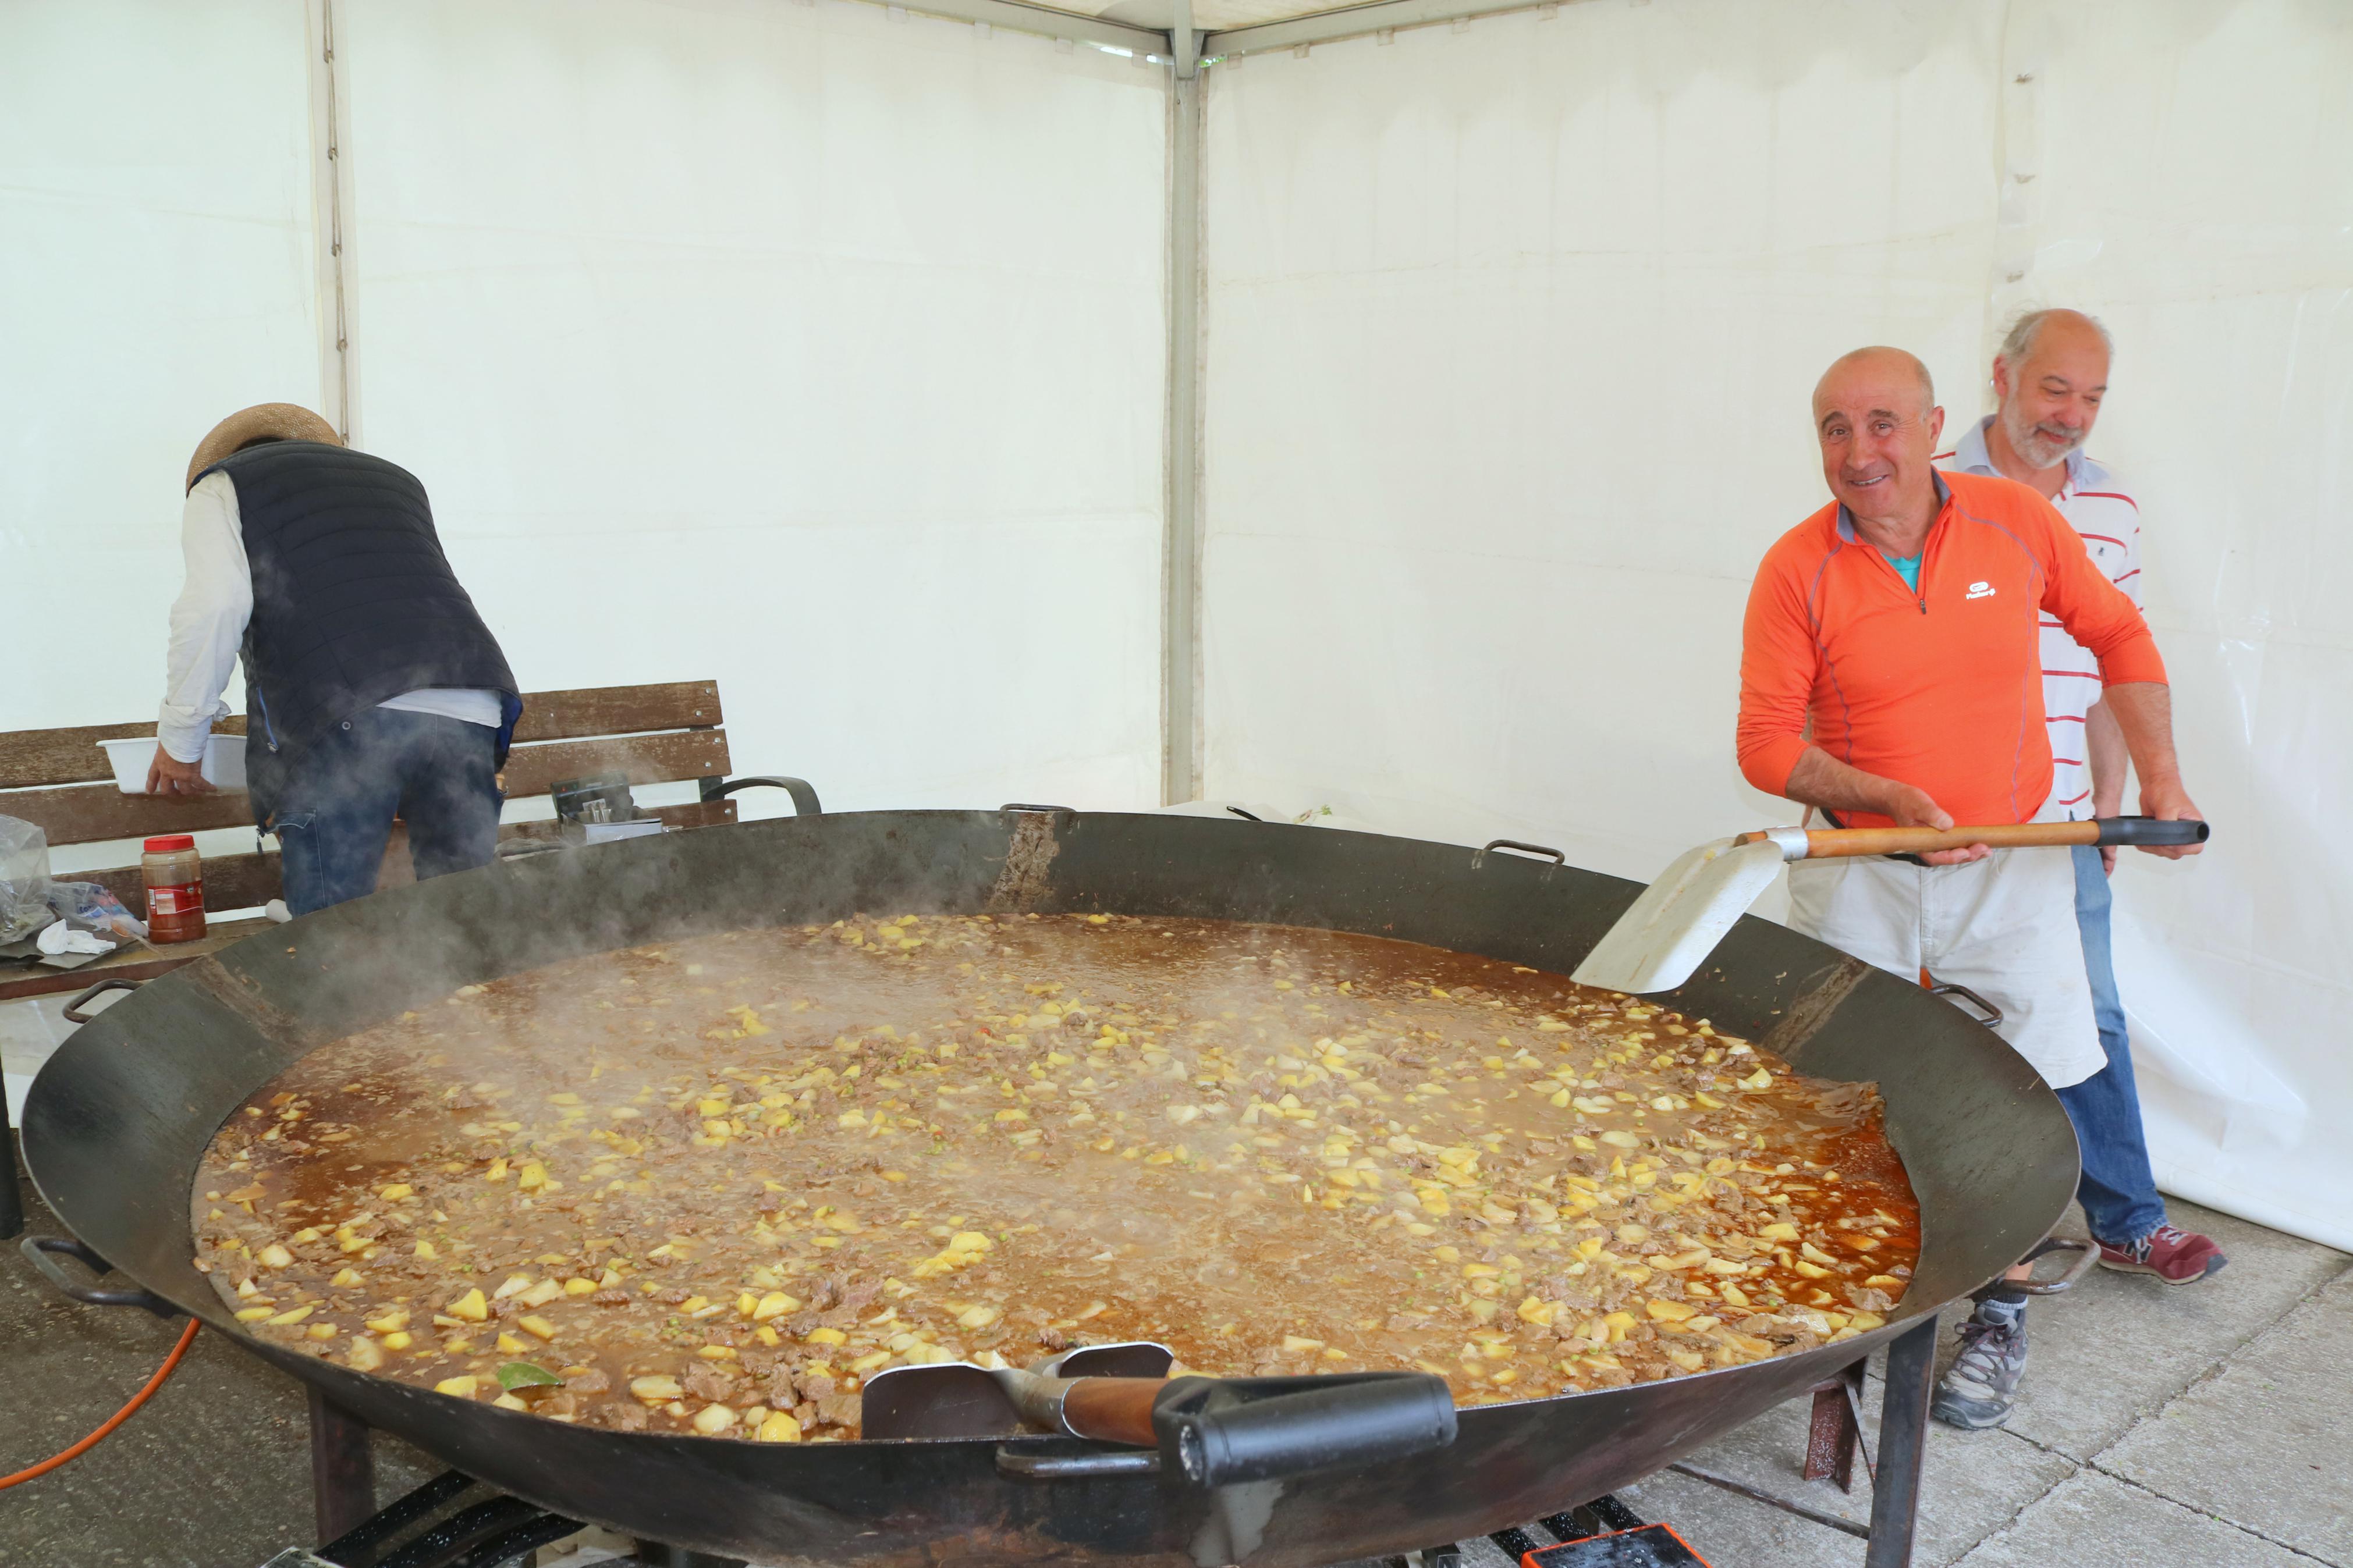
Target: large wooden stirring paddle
(1669,930)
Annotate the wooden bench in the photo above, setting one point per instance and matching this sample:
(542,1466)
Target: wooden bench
(61,781)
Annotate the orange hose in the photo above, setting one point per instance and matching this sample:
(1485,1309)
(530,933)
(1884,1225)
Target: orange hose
(188,1337)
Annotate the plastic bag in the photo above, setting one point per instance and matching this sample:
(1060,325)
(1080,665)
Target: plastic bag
(23,879)
(93,908)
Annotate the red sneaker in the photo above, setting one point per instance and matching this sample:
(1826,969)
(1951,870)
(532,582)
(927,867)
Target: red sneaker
(2174,1256)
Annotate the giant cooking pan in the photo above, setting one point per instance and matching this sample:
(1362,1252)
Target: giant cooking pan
(117,1121)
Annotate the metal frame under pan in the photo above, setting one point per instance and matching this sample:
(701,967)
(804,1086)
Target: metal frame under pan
(119,1119)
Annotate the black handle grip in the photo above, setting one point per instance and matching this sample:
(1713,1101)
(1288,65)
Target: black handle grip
(1219,1431)
(1556,858)
(38,1248)
(2142,831)
(74,1012)
(804,802)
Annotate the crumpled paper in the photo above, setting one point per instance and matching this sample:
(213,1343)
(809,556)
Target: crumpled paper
(60,937)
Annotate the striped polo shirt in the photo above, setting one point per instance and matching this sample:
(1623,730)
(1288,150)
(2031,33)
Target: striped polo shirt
(2102,510)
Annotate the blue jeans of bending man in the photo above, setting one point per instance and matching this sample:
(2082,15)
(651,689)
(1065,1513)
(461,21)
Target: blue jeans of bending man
(2117,1191)
(333,814)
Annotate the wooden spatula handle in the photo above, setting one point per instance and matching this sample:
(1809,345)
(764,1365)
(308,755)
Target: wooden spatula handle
(1823,843)
(1115,1409)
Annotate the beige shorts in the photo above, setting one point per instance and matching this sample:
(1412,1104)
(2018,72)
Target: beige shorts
(2003,926)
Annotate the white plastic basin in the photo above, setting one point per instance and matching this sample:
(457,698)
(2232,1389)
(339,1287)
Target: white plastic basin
(224,766)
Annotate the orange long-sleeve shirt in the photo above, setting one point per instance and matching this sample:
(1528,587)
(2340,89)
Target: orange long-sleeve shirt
(1941,689)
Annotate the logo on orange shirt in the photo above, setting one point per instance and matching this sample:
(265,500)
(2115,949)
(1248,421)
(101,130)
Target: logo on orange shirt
(1980,591)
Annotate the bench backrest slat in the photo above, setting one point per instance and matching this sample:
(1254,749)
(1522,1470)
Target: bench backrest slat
(618,710)
(84,813)
(31,758)
(662,733)
(645,759)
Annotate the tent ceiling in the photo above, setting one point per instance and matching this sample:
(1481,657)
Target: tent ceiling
(1208,16)
(1223,26)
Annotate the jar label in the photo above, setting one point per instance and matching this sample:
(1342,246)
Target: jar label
(184,899)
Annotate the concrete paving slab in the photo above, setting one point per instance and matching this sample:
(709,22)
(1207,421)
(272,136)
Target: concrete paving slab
(2267,1441)
(1737,1532)
(214,1472)
(1972,1482)
(2119,1346)
(31,1029)
(2097,1519)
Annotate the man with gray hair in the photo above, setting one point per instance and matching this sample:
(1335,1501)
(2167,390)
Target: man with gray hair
(2050,378)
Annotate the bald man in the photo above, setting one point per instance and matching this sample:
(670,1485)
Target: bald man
(2049,379)
(1890,674)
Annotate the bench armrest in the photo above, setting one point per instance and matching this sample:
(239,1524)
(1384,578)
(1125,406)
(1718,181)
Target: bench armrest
(804,797)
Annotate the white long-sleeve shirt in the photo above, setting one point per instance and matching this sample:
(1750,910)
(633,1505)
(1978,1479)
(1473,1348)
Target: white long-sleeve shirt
(208,623)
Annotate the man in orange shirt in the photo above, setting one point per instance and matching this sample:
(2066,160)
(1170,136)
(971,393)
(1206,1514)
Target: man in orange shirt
(1890,673)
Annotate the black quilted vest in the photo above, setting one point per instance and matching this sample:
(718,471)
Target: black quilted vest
(353,600)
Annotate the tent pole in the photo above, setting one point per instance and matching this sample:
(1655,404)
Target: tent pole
(330,183)
(1180,612)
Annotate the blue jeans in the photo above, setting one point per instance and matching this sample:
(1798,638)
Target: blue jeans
(333,814)
(2118,1194)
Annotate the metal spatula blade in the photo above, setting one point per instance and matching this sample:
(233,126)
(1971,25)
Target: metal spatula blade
(1677,921)
(946,1399)
(957,1399)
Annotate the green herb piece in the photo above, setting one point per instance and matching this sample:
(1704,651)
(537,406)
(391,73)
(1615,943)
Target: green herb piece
(517,1374)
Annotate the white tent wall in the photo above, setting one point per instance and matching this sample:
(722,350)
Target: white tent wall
(809,347)
(1510,332)
(157,271)
(799,345)
(2192,184)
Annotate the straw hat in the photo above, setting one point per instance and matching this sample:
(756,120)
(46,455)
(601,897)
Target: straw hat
(262,422)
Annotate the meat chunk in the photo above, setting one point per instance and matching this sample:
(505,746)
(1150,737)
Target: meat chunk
(710,1382)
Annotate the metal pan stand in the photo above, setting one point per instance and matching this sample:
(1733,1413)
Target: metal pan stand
(453,1522)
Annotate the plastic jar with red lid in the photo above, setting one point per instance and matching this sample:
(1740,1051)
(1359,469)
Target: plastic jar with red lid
(174,875)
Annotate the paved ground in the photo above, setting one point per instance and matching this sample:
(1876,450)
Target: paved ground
(2206,1425)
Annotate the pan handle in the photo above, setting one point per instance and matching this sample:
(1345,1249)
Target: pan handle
(1992,1019)
(1219,1431)
(1556,858)
(804,797)
(2086,1254)
(74,1012)
(38,1248)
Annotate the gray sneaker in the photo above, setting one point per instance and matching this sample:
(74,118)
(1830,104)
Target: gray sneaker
(1981,1385)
